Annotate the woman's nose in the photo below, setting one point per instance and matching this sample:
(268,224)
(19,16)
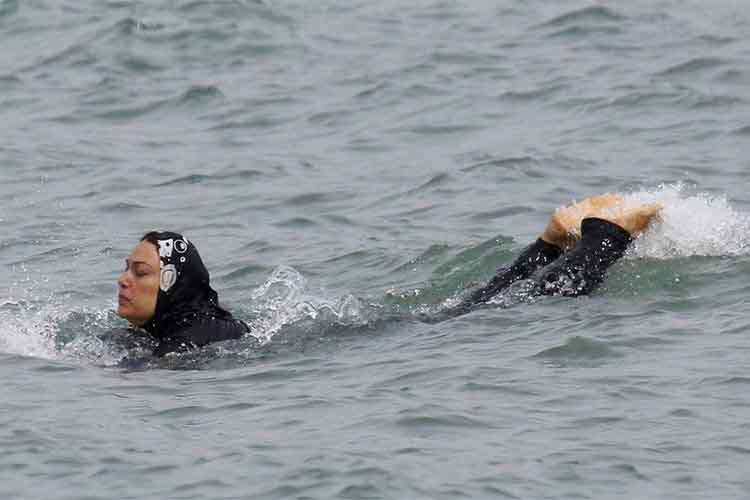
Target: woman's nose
(122,280)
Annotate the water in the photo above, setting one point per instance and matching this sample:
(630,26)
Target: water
(345,168)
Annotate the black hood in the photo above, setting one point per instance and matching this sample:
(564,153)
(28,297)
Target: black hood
(185,294)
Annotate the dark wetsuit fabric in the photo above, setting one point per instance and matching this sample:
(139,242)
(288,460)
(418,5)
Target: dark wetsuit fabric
(200,332)
(188,313)
(577,272)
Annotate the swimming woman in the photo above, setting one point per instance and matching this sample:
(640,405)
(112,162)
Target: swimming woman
(165,290)
(165,286)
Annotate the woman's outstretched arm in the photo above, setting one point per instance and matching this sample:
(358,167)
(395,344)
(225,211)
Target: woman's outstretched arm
(606,235)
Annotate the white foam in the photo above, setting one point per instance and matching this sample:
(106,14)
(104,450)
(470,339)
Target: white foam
(27,331)
(691,224)
(32,330)
(86,345)
(285,299)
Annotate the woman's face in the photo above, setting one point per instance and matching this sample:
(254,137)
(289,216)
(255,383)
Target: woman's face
(138,285)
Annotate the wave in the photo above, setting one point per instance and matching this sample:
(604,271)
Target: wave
(695,65)
(591,14)
(285,299)
(580,349)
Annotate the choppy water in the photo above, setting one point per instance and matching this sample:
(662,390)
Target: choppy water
(345,167)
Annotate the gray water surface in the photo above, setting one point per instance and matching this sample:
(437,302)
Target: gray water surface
(345,168)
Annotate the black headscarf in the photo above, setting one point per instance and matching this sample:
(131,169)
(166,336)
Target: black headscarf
(185,295)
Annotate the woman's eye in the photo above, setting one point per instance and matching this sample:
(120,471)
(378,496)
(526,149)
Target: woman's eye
(140,271)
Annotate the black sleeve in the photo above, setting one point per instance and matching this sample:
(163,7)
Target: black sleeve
(583,268)
(538,254)
(200,334)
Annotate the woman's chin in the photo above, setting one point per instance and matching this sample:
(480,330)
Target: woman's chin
(125,313)
(121,312)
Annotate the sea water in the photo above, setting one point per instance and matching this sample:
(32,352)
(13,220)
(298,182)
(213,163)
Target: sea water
(347,169)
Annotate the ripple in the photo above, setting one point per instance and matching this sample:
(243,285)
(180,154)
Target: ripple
(244,271)
(129,26)
(699,101)
(500,213)
(436,180)
(589,422)
(592,14)
(717,40)
(270,375)
(9,81)
(736,380)
(630,470)
(186,180)
(229,9)
(296,223)
(308,199)
(257,122)
(131,113)
(122,207)
(515,389)
(199,94)
(139,64)
(693,66)
(682,412)
(423,422)
(585,31)
(213,485)
(734,76)
(178,412)
(532,94)
(642,98)
(53,253)
(513,163)
(580,348)
(443,129)
(740,450)
(76,54)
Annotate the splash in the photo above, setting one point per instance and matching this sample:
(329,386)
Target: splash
(44,329)
(692,224)
(27,330)
(285,299)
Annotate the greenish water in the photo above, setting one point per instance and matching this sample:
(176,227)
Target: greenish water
(345,168)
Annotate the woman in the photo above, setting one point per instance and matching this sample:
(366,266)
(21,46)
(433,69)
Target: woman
(165,286)
(165,290)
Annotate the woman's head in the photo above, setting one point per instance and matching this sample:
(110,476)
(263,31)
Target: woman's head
(163,272)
